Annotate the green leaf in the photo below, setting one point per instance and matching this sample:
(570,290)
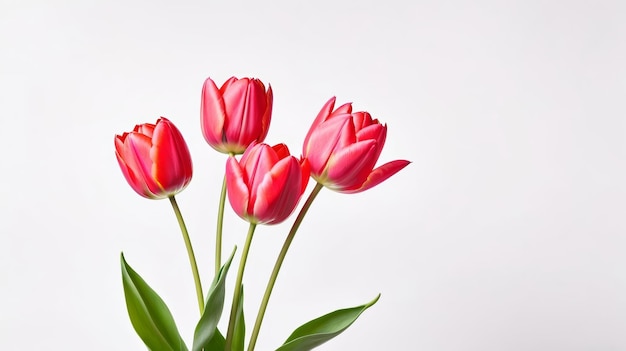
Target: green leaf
(324,328)
(240,326)
(148,314)
(207,325)
(217,342)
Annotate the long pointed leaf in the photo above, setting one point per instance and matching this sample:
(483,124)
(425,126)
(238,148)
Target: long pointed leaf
(148,314)
(207,325)
(217,342)
(324,328)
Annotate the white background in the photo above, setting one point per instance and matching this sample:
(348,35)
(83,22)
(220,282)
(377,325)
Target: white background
(507,232)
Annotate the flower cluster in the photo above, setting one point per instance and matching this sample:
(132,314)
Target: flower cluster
(264,186)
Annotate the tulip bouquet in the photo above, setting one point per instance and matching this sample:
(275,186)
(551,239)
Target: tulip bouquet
(263,185)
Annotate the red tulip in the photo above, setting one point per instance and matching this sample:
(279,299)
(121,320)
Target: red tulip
(265,186)
(235,115)
(155,159)
(342,148)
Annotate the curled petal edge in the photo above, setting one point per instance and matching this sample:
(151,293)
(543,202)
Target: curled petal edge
(321,117)
(379,175)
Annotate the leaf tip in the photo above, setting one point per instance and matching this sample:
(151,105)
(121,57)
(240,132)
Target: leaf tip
(371,303)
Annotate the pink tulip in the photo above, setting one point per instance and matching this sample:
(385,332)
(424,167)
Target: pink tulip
(235,115)
(155,159)
(342,148)
(265,186)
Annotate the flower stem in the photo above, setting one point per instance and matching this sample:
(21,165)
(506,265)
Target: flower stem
(278,264)
(237,293)
(192,257)
(220,224)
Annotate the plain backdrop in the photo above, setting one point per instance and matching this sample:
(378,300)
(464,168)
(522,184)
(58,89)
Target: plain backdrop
(507,231)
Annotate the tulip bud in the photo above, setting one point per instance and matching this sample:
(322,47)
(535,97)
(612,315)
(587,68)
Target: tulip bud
(342,148)
(154,159)
(265,186)
(235,115)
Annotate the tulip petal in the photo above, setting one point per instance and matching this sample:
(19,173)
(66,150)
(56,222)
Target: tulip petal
(345,108)
(267,116)
(247,153)
(251,153)
(137,157)
(136,182)
(377,132)
(261,160)
(235,102)
(379,175)
(238,192)
(269,191)
(212,114)
(281,150)
(362,119)
(347,136)
(324,140)
(369,132)
(306,174)
(171,161)
(255,106)
(227,84)
(119,142)
(146,129)
(321,117)
(350,166)
(279,192)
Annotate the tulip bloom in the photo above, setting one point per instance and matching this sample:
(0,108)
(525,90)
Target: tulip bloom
(265,186)
(343,147)
(154,159)
(235,115)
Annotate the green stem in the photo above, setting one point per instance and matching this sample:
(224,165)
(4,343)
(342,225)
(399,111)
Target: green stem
(237,293)
(192,257)
(278,264)
(220,223)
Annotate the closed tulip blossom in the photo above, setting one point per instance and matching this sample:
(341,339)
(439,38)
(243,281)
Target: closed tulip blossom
(154,159)
(342,148)
(265,186)
(236,114)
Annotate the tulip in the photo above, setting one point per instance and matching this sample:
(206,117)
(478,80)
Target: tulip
(265,186)
(342,148)
(154,159)
(235,115)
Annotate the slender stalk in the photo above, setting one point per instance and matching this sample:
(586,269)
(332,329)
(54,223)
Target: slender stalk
(220,224)
(278,264)
(237,293)
(192,257)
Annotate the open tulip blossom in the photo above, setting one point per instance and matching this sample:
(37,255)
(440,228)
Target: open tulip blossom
(264,187)
(343,147)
